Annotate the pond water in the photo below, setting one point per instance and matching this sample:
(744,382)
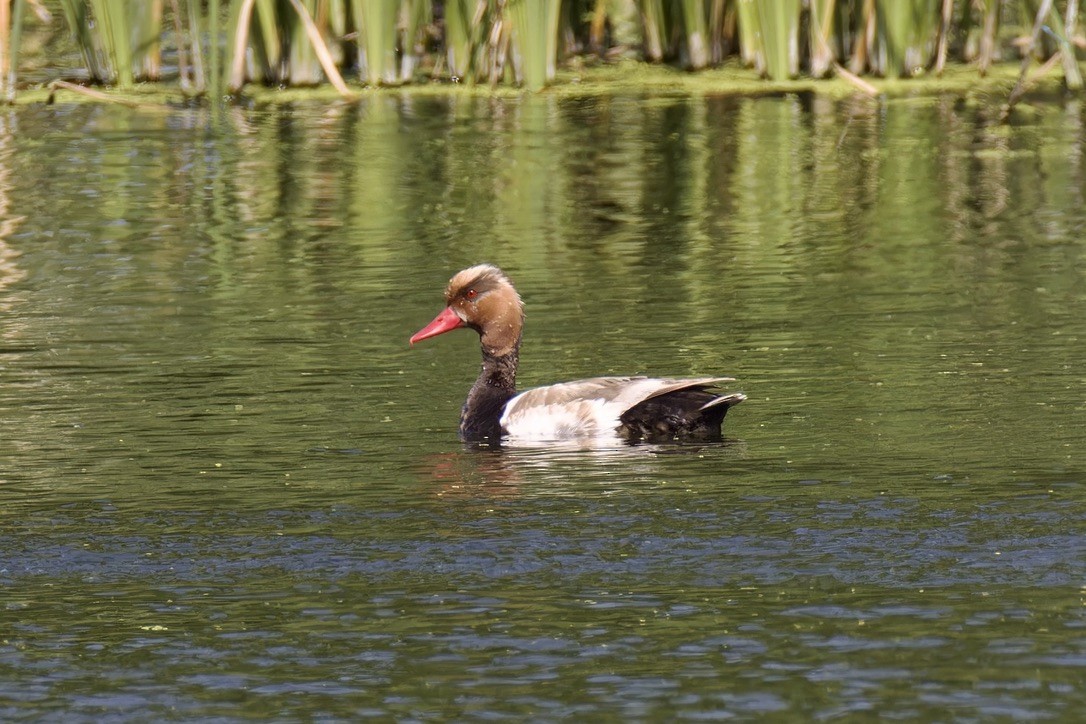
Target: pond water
(230,489)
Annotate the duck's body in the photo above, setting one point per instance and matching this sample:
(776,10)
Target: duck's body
(630,408)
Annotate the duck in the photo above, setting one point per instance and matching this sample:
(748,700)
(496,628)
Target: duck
(629,409)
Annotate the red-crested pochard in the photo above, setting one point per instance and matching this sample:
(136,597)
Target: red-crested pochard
(631,408)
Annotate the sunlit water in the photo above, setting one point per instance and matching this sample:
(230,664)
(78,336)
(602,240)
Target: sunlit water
(229,489)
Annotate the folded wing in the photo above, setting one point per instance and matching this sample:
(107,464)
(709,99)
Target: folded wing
(629,407)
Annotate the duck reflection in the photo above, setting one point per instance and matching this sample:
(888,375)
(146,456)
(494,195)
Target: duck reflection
(574,467)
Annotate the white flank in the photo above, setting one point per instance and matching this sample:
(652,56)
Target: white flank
(585,418)
(584,408)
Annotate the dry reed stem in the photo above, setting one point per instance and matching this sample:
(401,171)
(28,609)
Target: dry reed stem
(988,39)
(323,55)
(95,94)
(241,39)
(1027,56)
(1070,64)
(855,80)
(944,36)
(182,53)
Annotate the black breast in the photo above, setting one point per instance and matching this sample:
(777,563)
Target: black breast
(481,415)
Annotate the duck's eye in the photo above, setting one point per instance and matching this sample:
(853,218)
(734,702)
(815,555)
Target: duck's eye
(471,294)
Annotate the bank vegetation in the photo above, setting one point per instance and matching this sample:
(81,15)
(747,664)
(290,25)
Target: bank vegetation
(220,46)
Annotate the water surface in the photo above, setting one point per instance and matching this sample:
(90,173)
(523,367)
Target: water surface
(228,487)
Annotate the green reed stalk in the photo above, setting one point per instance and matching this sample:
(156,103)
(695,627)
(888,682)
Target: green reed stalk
(458,50)
(214,49)
(719,32)
(77,13)
(1070,28)
(319,48)
(535,23)
(199,81)
(302,65)
(378,37)
(417,14)
(905,29)
(494,51)
(779,22)
(821,34)
(861,37)
(654,29)
(988,40)
(268,40)
(552,20)
(942,46)
(1062,31)
(184,77)
(11,27)
(751,48)
(1027,57)
(695,23)
(18,12)
(335,12)
(238,33)
(116,37)
(146,20)
(7,59)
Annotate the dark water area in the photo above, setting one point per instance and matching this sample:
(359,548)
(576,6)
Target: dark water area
(229,488)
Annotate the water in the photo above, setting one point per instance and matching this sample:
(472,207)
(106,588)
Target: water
(229,489)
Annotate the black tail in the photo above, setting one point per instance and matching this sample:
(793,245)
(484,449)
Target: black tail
(686,414)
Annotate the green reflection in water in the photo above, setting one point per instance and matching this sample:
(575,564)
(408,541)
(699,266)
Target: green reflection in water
(229,486)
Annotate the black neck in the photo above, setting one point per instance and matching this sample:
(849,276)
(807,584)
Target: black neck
(496,385)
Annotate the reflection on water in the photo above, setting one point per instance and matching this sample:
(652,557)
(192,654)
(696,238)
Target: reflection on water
(566,467)
(229,487)
(10,273)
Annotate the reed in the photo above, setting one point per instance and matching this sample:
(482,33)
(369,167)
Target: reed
(305,42)
(302,67)
(417,15)
(695,24)
(145,31)
(751,48)
(87,38)
(820,24)
(987,45)
(458,37)
(214,12)
(267,43)
(778,22)
(319,48)
(11,23)
(378,41)
(194,39)
(906,31)
(535,37)
(655,30)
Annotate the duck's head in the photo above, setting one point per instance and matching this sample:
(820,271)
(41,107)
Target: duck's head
(481,298)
